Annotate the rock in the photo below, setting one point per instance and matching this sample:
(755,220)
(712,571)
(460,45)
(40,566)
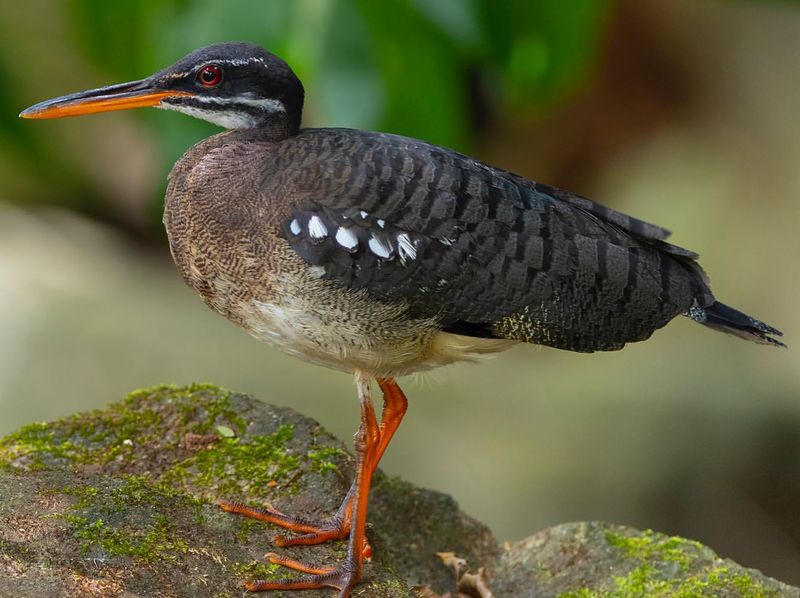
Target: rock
(599,560)
(121,502)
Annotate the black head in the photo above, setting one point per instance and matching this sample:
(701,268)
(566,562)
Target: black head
(234,85)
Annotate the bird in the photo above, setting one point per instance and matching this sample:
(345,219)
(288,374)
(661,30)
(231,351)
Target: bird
(381,255)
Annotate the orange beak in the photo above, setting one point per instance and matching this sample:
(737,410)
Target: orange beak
(136,94)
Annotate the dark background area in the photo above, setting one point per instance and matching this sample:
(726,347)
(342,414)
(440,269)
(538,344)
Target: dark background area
(683,113)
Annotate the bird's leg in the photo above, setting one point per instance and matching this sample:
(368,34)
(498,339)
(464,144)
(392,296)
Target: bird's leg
(338,526)
(344,576)
(395,405)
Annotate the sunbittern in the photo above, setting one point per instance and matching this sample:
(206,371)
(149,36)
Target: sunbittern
(382,255)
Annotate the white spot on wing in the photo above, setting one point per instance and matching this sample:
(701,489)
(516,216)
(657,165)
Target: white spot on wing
(317,228)
(380,248)
(381,222)
(406,248)
(295,227)
(347,239)
(363,214)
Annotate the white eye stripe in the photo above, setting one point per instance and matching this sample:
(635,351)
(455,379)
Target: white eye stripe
(347,238)
(317,228)
(239,61)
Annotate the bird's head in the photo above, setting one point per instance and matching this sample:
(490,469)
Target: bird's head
(233,85)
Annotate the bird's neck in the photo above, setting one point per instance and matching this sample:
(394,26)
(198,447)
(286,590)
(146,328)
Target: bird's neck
(278,127)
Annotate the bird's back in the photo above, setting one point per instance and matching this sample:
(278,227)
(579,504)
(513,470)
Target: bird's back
(487,252)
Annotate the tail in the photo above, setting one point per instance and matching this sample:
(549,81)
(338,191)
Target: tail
(722,317)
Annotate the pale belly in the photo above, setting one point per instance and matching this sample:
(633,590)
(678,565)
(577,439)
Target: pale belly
(383,343)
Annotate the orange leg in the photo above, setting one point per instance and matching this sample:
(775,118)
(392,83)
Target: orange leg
(370,444)
(338,526)
(395,405)
(345,576)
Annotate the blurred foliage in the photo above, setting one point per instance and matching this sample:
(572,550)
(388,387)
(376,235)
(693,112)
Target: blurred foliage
(434,69)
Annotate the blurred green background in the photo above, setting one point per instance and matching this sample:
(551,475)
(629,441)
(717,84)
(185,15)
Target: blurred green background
(684,113)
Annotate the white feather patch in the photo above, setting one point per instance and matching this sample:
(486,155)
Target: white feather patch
(380,248)
(347,238)
(406,248)
(317,228)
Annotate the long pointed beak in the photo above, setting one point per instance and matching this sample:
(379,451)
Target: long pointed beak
(135,94)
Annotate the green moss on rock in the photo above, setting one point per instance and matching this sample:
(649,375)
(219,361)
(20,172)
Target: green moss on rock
(649,545)
(126,495)
(323,459)
(660,566)
(118,433)
(235,468)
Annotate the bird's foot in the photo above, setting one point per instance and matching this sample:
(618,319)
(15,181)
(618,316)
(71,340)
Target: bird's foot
(350,519)
(342,578)
(311,532)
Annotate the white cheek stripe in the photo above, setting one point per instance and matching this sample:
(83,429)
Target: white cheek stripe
(228,120)
(268,104)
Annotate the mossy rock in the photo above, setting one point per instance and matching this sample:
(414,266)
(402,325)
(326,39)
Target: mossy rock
(600,560)
(121,502)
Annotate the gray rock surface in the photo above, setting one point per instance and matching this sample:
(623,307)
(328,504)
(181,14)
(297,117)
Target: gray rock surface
(120,502)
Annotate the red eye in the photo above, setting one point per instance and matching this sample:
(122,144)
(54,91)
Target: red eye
(210,75)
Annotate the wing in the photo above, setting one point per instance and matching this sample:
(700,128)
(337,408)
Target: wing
(471,244)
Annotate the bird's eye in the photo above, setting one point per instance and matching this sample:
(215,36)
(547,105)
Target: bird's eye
(210,75)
